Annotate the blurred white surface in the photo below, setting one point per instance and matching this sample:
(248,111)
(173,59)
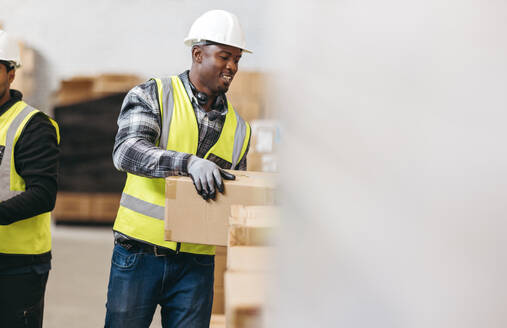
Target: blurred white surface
(394,164)
(141,37)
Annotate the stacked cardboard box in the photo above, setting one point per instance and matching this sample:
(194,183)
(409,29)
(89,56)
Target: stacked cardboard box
(189,218)
(25,77)
(247,94)
(249,265)
(264,143)
(218,287)
(217,321)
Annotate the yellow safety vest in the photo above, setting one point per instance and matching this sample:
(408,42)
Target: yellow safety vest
(141,212)
(32,235)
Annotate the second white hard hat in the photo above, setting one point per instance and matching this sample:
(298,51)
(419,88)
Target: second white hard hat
(9,49)
(217,26)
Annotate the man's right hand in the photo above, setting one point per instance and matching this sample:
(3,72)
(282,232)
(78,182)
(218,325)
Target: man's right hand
(207,176)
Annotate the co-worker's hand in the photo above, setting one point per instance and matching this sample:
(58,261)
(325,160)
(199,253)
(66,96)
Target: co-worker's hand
(207,176)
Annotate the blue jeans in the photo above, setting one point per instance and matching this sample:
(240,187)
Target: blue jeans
(181,283)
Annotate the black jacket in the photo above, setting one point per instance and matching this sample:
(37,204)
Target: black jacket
(36,159)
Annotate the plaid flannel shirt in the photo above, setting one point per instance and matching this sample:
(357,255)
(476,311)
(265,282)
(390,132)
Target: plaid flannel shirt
(139,130)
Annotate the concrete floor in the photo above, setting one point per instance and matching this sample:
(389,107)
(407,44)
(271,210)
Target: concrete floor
(77,285)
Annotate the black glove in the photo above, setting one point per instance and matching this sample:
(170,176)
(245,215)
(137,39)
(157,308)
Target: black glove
(206,175)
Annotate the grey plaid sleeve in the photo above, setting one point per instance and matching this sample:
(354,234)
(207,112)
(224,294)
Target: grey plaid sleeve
(139,129)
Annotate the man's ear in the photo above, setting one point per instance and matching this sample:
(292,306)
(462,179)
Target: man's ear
(196,54)
(11,74)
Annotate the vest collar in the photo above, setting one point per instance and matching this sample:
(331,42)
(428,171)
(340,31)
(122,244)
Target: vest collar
(15,97)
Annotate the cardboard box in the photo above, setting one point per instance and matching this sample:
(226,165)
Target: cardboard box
(248,109)
(264,143)
(218,286)
(189,218)
(86,207)
(255,215)
(217,321)
(250,236)
(220,265)
(25,76)
(218,300)
(250,259)
(247,94)
(253,225)
(245,296)
(247,84)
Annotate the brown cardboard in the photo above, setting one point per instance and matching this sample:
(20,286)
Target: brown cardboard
(247,94)
(75,206)
(245,294)
(252,225)
(220,265)
(255,215)
(250,236)
(217,321)
(250,259)
(218,300)
(189,218)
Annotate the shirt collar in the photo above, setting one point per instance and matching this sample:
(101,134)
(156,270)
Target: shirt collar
(222,108)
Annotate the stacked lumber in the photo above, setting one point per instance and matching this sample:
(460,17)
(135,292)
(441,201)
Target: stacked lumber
(87,87)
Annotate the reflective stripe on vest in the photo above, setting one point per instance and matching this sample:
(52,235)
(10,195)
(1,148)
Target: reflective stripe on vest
(31,235)
(141,213)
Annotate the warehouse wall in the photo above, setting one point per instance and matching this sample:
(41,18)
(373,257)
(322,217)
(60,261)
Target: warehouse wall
(142,37)
(394,166)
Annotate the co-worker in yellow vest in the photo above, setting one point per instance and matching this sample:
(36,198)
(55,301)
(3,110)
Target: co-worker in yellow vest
(28,171)
(180,125)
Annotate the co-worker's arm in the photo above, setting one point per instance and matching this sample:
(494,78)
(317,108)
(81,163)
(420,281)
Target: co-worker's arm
(139,128)
(36,159)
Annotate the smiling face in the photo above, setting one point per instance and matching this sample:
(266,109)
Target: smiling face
(214,67)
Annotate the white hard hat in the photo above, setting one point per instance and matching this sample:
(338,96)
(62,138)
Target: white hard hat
(9,49)
(218,26)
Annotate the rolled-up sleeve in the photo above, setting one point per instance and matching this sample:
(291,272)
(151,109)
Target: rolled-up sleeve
(139,130)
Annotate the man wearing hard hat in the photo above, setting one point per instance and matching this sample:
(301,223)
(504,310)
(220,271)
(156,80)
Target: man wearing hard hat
(28,172)
(180,125)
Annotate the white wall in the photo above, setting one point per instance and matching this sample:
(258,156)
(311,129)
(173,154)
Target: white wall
(394,173)
(134,36)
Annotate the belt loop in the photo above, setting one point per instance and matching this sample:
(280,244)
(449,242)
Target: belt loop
(156,253)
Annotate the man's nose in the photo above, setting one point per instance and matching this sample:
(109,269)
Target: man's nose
(231,64)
